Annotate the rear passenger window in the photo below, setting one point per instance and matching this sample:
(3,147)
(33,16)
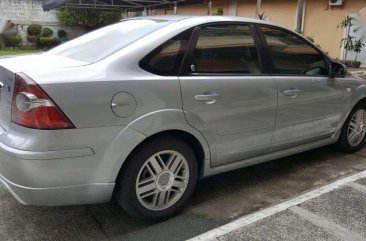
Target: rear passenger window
(226,49)
(292,55)
(167,59)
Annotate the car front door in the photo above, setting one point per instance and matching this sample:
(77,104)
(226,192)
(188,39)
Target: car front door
(310,103)
(225,94)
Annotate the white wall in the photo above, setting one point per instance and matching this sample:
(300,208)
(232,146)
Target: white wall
(26,12)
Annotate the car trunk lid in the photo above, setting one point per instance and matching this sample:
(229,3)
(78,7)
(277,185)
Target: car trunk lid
(10,66)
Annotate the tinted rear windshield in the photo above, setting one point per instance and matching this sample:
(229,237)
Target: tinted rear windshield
(103,42)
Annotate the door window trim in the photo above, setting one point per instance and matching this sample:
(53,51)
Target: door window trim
(267,54)
(188,59)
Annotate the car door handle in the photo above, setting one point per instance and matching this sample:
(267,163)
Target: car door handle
(293,92)
(208,97)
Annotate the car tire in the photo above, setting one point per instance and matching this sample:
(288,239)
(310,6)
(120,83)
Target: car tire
(354,125)
(152,167)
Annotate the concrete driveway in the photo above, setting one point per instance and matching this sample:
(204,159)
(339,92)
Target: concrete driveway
(336,211)
(218,200)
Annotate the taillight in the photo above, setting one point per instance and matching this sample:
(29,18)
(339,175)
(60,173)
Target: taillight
(33,108)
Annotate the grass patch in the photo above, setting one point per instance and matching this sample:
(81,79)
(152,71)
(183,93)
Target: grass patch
(18,51)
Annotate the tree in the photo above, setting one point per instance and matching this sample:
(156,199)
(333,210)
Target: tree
(357,47)
(350,43)
(347,41)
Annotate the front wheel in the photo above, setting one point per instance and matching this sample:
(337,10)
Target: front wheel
(158,180)
(353,132)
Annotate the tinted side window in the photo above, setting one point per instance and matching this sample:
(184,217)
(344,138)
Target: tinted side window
(226,49)
(167,58)
(293,56)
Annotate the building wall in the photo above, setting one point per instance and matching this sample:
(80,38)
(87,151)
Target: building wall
(246,8)
(26,12)
(321,23)
(282,12)
(200,9)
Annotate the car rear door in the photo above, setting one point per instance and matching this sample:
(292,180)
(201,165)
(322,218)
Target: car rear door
(310,103)
(226,95)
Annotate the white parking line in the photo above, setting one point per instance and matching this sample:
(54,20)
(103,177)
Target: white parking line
(358,187)
(251,218)
(324,223)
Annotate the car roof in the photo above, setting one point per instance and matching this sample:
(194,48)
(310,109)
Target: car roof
(207,18)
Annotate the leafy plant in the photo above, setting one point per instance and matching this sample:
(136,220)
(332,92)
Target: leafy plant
(311,39)
(56,41)
(219,11)
(44,42)
(12,40)
(350,43)
(261,16)
(9,37)
(47,32)
(32,38)
(2,41)
(347,22)
(89,19)
(34,29)
(347,41)
(357,47)
(61,34)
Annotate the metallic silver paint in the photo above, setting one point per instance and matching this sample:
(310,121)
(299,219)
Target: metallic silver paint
(252,121)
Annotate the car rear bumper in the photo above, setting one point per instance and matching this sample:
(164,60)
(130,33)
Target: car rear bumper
(60,196)
(30,177)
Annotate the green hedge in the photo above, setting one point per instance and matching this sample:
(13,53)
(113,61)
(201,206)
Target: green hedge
(61,34)
(47,32)
(34,29)
(32,38)
(12,40)
(44,42)
(47,42)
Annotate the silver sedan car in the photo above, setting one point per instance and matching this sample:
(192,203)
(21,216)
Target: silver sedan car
(142,109)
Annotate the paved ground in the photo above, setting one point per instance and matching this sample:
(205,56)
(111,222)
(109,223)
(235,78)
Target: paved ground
(218,200)
(333,212)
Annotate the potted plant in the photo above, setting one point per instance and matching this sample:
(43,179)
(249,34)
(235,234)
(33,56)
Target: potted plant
(350,43)
(357,47)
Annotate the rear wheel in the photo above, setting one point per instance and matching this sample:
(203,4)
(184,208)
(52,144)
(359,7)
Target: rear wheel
(353,132)
(158,180)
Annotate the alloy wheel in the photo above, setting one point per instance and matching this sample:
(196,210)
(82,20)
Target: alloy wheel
(162,180)
(357,128)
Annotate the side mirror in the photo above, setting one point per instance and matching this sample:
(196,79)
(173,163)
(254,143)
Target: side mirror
(337,70)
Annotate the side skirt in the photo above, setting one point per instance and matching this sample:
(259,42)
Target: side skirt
(209,171)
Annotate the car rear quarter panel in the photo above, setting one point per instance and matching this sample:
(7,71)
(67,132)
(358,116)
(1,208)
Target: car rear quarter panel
(84,93)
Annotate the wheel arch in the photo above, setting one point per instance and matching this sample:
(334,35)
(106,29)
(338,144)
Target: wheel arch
(169,122)
(361,99)
(185,136)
